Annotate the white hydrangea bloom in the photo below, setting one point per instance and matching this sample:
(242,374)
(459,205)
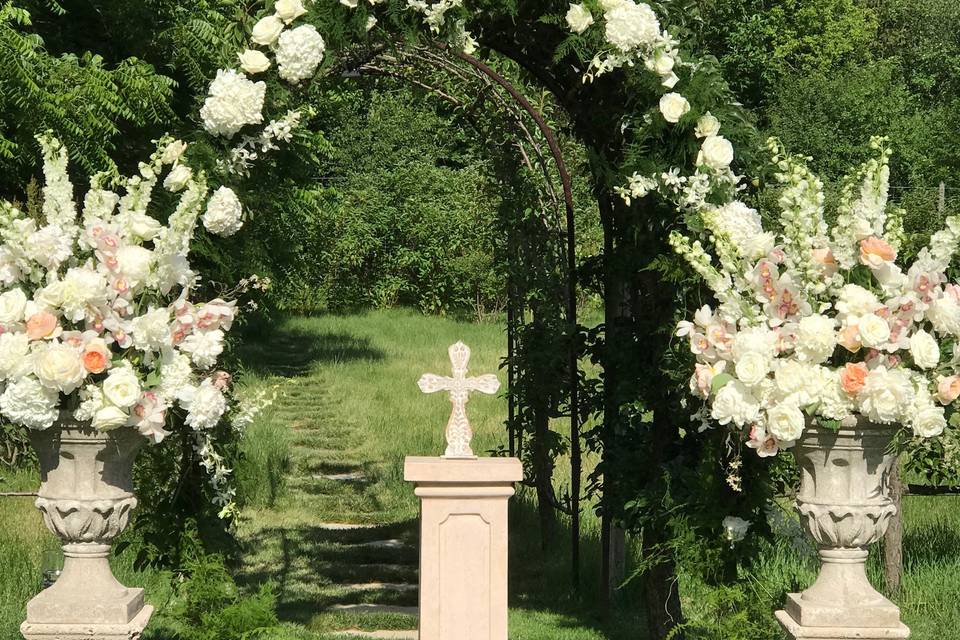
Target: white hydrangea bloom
(176,374)
(27,402)
(50,246)
(887,395)
(151,331)
(14,361)
(234,102)
(224,214)
(631,25)
(205,405)
(204,347)
(299,53)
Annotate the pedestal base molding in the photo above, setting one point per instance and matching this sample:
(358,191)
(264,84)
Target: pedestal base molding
(797,632)
(85,631)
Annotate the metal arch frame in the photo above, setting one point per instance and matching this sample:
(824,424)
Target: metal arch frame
(485,71)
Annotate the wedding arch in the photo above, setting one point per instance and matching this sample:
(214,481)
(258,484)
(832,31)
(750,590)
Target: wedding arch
(109,324)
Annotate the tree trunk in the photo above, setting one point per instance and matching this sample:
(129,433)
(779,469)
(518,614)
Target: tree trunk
(662,600)
(893,541)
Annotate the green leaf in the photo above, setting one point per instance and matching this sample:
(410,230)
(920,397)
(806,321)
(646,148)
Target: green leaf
(720,381)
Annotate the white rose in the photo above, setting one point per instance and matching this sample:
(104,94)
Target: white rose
(122,387)
(886,395)
(874,330)
(12,306)
(267,30)
(785,422)
(673,106)
(736,528)
(253,61)
(734,403)
(816,338)
(143,226)
(925,350)
(661,64)
(716,152)
(289,10)
(854,300)
(173,152)
(707,126)
(109,418)
(60,367)
(752,368)
(134,263)
(944,314)
(178,178)
(928,421)
(579,18)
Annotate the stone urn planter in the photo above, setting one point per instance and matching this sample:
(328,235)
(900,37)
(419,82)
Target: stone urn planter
(86,497)
(845,504)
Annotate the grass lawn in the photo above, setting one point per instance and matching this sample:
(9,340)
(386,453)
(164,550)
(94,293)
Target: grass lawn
(350,405)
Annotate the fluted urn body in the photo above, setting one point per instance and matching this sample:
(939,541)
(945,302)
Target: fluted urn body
(86,498)
(845,504)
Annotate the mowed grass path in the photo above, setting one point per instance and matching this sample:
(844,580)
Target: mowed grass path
(349,412)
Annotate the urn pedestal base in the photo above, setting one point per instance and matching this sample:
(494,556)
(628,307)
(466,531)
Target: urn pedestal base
(86,498)
(86,631)
(798,632)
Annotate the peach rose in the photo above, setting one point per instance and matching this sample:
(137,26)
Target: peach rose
(96,356)
(41,325)
(825,258)
(850,338)
(853,377)
(875,252)
(948,389)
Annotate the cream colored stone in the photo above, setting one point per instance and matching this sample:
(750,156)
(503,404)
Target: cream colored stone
(845,504)
(459,432)
(86,497)
(463,545)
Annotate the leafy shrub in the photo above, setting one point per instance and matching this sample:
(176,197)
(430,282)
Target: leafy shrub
(210,606)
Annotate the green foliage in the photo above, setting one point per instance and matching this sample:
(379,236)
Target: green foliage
(760,42)
(211,607)
(81,97)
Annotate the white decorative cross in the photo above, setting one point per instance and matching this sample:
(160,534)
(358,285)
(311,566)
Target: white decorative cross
(459,433)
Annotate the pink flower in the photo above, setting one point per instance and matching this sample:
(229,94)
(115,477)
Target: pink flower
(766,444)
(875,252)
(221,380)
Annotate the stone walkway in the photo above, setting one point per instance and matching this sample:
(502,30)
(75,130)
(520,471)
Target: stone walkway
(339,564)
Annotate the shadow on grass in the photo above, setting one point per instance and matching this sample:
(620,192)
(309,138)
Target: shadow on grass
(931,545)
(314,563)
(541,579)
(288,352)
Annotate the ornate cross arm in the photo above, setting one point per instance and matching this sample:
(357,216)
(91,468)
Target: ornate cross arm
(459,433)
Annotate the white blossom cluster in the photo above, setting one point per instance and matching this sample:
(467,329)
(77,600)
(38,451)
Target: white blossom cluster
(634,35)
(102,323)
(802,334)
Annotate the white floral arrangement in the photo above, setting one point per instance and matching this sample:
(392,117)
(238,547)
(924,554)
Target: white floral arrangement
(817,323)
(96,316)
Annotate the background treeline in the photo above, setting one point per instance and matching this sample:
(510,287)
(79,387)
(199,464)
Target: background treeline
(825,75)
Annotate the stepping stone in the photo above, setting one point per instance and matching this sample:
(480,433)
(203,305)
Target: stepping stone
(356,476)
(343,526)
(385,635)
(380,586)
(375,608)
(383,544)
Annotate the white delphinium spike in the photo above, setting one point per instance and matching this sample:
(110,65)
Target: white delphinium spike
(58,206)
(861,211)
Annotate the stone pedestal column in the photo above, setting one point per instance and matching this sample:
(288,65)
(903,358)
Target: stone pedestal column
(463,545)
(845,505)
(86,497)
